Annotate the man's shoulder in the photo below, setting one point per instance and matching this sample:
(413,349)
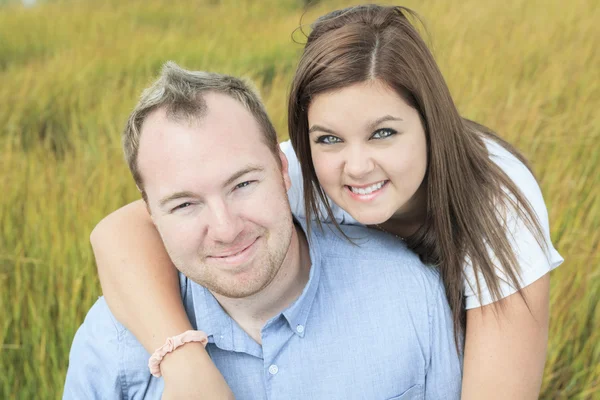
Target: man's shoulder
(381,271)
(106,360)
(100,322)
(359,242)
(372,254)
(101,329)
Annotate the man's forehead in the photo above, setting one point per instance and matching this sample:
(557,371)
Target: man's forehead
(159,118)
(176,151)
(219,110)
(208,172)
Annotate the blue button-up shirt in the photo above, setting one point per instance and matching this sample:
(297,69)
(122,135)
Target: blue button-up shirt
(371,323)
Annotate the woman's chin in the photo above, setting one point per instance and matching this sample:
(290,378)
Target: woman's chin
(370,218)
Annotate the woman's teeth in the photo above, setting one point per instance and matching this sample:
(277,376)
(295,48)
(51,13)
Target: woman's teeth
(368,189)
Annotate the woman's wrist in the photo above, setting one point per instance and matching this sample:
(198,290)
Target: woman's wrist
(190,373)
(172,344)
(176,362)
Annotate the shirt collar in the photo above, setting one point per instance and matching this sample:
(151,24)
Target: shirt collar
(210,316)
(220,328)
(296,314)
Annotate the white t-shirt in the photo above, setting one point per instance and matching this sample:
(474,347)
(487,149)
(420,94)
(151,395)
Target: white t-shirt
(533,260)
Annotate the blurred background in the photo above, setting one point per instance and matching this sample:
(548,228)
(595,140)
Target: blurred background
(71,71)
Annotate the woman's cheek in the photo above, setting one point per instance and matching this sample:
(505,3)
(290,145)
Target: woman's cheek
(324,168)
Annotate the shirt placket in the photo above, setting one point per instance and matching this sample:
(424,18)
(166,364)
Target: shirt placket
(277,364)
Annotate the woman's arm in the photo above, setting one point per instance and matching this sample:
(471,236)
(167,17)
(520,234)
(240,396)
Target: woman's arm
(141,287)
(505,349)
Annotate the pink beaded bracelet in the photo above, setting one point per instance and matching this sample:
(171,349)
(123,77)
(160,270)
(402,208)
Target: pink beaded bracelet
(171,344)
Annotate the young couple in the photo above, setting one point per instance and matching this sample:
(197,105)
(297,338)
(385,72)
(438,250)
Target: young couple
(415,264)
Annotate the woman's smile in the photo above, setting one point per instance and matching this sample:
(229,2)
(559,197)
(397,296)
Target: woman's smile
(367,192)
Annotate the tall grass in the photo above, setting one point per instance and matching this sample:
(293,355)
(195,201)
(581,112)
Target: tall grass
(70,72)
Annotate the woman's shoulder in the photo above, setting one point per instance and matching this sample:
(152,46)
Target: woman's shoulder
(286,147)
(514,168)
(521,176)
(534,260)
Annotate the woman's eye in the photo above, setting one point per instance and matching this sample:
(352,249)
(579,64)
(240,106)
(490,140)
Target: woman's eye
(328,139)
(383,133)
(182,206)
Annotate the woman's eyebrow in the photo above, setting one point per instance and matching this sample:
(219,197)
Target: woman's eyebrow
(370,125)
(374,124)
(320,128)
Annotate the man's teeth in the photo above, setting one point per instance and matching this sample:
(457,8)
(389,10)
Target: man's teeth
(367,190)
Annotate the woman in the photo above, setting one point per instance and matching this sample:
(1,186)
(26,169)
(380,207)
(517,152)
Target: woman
(379,142)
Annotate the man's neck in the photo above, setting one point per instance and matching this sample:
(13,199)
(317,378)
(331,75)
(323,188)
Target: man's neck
(251,313)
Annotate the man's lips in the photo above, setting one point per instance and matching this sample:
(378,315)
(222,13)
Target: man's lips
(233,251)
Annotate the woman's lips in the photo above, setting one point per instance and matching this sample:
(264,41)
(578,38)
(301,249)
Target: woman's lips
(369,192)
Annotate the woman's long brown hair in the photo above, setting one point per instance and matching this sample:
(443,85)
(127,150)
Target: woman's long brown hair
(468,195)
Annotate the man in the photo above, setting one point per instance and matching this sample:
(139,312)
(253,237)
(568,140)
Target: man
(287,316)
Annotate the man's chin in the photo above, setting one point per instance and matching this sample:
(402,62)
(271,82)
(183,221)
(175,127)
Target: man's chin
(237,292)
(240,286)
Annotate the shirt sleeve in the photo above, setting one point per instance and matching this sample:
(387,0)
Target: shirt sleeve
(94,368)
(296,192)
(444,371)
(534,261)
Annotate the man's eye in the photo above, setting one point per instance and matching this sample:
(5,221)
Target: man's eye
(328,139)
(182,206)
(383,133)
(243,184)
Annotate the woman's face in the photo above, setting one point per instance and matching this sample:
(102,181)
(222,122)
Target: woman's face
(369,150)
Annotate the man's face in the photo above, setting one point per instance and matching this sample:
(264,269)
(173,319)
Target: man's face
(217,196)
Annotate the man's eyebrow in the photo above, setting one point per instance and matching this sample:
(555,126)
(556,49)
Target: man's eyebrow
(242,172)
(230,180)
(372,125)
(175,196)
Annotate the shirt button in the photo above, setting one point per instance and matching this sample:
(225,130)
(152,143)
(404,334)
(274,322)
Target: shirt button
(299,328)
(273,369)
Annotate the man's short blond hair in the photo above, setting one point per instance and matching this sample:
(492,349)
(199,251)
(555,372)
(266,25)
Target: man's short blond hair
(180,93)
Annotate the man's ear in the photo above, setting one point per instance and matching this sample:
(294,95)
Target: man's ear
(150,212)
(285,170)
(145,200)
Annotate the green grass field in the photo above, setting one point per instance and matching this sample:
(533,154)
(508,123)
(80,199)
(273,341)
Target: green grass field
(70,72)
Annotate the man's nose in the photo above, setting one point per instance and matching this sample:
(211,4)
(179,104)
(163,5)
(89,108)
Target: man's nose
(358,162)
(225,224)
